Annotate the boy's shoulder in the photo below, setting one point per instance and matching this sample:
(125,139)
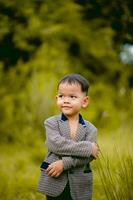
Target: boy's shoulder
(90,126)
(53,119)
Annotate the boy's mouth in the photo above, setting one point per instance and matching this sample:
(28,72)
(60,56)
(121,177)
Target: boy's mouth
(66,107)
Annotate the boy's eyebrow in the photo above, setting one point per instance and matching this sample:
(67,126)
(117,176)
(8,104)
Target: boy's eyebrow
(64,93)
(68,94)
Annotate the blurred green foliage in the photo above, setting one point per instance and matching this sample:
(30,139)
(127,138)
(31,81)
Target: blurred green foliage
(41,41)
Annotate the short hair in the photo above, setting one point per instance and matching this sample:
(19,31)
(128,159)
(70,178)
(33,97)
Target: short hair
(75,78)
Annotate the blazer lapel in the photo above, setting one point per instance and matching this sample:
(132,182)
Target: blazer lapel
(64,128)
(80,133)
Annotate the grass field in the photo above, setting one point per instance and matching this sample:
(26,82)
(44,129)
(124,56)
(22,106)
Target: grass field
(113,171)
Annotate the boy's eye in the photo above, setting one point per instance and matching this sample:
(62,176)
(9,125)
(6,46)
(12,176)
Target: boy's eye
(73,97)
(60,96)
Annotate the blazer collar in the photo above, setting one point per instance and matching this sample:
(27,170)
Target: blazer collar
(81,120)
(65,129)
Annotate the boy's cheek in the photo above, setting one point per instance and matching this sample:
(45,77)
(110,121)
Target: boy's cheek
(57,102)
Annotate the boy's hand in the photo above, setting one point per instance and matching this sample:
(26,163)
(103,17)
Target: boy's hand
(95,150)
(55,168)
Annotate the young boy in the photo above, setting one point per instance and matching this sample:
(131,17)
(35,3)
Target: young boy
(71,144)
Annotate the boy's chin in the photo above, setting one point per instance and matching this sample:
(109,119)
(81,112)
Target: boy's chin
(67,113)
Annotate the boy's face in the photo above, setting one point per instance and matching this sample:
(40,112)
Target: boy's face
(71,99)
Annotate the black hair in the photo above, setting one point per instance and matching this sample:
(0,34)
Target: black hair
(76,78)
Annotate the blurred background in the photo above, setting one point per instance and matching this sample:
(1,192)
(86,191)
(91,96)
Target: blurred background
(41,41)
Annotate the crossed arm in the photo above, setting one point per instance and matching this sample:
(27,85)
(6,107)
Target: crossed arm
(73,153)
(66,147)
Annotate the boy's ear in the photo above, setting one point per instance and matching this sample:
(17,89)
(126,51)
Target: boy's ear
(56,97)
(86,101)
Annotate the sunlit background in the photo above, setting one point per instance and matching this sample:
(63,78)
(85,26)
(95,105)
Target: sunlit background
(41,41)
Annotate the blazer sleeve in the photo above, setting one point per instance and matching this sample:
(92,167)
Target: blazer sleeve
(76,162)
(69,162)
(62,146)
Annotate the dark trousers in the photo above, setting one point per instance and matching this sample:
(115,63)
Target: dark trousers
(65,195)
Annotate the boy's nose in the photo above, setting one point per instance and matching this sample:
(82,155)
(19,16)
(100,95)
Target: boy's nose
(66,99)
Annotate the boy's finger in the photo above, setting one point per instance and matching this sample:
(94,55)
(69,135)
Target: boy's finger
(48,169)
(52,171)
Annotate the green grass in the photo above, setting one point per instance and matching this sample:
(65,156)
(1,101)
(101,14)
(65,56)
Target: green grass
(19,172)
(113,171)
(117,183)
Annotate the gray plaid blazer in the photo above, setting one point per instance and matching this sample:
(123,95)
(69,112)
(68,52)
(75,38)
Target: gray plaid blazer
(76,156)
